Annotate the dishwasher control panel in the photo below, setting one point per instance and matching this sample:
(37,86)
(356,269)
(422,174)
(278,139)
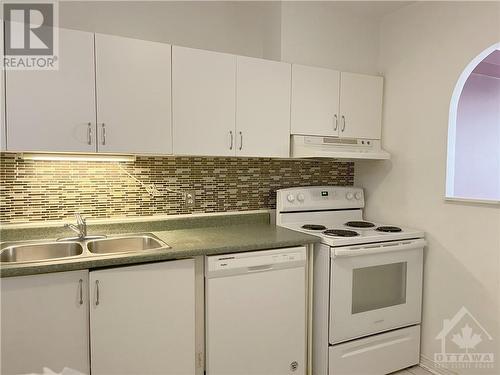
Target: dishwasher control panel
(257,260)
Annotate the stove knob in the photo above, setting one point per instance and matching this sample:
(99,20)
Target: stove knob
(290,197)
(349,196)
(300,197)
(358,195)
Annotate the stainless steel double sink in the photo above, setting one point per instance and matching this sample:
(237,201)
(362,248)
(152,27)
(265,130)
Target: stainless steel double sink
(39,251)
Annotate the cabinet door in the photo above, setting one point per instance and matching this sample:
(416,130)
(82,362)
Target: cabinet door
(315,101)
(142,319)
(262,108)
(360,106)
(2,93)
(204,101)
(44,323)
(54,110)
(133,80)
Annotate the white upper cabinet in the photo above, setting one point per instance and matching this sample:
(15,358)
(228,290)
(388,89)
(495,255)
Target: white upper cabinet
(262,108)
(315,101)
(142,319)
(133,81)
(2,99)
(361,106)
(329,103)
(113,94)
(45,322)
(54,110)
(204,102)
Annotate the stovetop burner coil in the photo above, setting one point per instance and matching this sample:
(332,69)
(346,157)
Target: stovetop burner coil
(389,229)
(359,224)
(341,233)
(313,227)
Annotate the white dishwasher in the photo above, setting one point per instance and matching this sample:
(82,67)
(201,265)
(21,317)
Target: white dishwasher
(256,313)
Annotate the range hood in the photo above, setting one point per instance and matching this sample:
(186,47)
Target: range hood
(313,146)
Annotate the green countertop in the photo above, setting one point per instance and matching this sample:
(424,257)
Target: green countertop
(219,235)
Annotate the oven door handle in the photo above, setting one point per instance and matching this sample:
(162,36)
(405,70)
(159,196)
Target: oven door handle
(375,248)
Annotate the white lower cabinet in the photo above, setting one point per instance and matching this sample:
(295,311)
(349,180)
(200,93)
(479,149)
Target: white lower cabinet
(44,323)
(142,319)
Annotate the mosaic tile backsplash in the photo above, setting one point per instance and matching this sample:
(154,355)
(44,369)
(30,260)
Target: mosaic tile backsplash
(53,190)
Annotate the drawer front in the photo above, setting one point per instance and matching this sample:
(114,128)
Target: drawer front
(379,354)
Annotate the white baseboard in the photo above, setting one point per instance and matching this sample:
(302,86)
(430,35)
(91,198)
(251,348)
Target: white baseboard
(433,367)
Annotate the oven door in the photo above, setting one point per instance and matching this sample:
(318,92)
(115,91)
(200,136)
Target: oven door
(375,288)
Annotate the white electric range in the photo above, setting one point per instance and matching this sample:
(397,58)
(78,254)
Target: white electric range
(367,282)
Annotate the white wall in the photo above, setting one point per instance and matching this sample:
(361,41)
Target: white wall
(423,49)
(245,28)
(330,35)
(339,35)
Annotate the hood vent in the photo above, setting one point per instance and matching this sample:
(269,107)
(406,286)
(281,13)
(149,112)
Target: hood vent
(306,146)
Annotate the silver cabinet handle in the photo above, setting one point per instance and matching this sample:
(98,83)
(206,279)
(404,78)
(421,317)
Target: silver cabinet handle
(89,133)
(103,129)
(336,121)
(97,292)
(81,291)
(231,141)
(241,140)
(343,123)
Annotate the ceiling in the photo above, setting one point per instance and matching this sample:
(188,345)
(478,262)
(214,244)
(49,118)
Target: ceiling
(490,66)
(493,58)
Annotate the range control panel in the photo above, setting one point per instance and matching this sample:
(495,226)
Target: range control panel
(319,198)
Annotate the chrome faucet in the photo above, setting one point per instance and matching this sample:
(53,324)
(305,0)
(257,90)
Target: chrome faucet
(80,228)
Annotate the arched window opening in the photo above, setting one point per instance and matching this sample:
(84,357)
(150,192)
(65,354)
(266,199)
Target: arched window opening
(473,171)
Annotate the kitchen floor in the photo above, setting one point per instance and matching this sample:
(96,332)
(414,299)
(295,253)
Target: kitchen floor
(415,370)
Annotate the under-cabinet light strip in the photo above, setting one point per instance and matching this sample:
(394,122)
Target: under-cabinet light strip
(77,157)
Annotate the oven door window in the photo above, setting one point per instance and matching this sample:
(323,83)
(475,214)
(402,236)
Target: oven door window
(377,287)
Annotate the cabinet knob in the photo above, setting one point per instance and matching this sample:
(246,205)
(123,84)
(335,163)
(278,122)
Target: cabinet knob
(335,122)
(241,140)
(343,123)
